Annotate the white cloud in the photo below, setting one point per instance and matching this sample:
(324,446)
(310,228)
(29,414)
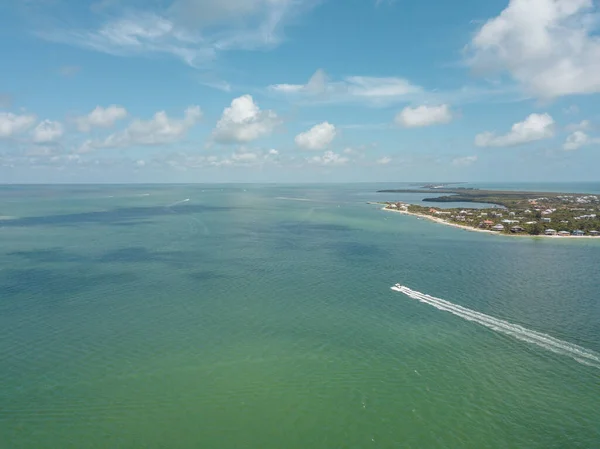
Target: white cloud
(535,127)
(159,130)
(247,157)
(464,161)
(317,138)
(581,126)
(69,70)
(384,160)
(572,110)
(101,117)
(384,91)
(373,90)
(47,131)
(243,122)
(6,100)
(273,152)
(12,124)
(242,157)
(191,30)
(329,158)
(550,47)
(577,140)
(217,84)
(413,117)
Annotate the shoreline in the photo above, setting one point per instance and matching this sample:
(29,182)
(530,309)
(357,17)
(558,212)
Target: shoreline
(487,231)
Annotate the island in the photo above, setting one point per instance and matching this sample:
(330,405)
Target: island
(510,212)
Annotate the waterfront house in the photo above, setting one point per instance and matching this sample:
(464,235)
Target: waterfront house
(516,229)
(550,232)
(498,227)
(486,224)
(564,233)
(578,233)
(546,220)
(594,233)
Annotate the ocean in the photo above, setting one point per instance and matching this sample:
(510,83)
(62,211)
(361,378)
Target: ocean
(261,316)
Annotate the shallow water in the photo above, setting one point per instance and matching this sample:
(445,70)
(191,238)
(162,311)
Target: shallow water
(246,318)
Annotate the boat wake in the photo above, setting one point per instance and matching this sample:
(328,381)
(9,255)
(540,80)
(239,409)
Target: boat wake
(178,203)
(577,353)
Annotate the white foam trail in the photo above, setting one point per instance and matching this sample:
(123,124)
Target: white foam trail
(578,353)
(179,202)
(292,199)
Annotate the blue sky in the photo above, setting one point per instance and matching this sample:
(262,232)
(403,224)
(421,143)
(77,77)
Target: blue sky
(299,90)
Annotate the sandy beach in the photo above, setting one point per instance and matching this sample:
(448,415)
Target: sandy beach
(487,231)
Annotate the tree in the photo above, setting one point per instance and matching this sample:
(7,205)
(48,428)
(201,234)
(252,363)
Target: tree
(535,229)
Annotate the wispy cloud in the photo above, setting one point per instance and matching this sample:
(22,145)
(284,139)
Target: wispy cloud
(374,90)
(424,116)
(464,161)
(69,70)
(194,31)
(385,91)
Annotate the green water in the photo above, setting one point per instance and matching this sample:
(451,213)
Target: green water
(237,319)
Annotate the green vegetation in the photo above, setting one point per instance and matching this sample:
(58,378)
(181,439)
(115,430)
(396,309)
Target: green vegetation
(531,213)
(505,198)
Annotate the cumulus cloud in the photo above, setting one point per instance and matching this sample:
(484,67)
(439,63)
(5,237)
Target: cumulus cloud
(159,130)
(581,126)
(318,137)
(244,122)
(413,117)
(384,160)
(101,117)
(577,140)
(329,158)
(550,47)
(535,127)
(374,90)
(13,124)
(464,161)
(47,131)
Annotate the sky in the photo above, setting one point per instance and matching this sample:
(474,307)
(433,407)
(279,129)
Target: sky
(114,91)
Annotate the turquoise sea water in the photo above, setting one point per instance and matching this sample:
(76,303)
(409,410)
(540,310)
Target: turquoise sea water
(262,317)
